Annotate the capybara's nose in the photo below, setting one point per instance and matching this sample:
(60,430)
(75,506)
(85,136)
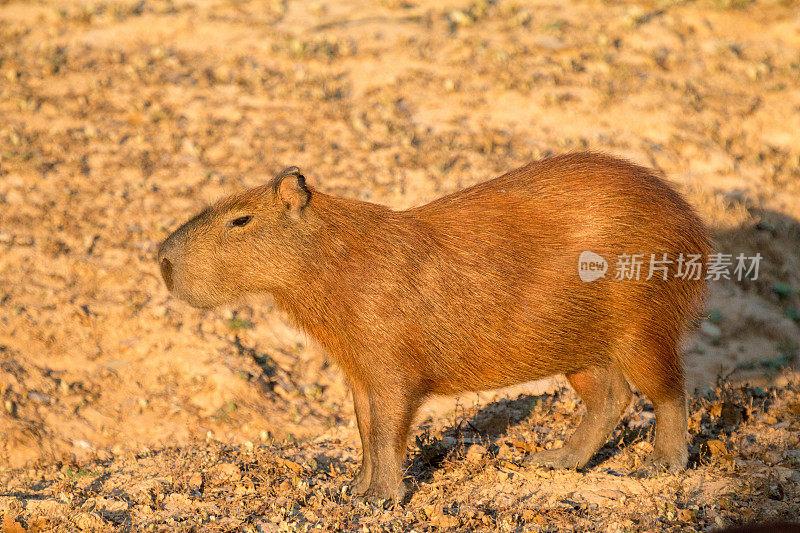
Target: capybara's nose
(166,272)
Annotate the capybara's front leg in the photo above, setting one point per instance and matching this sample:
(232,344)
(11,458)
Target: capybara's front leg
(361,405)
(391,413)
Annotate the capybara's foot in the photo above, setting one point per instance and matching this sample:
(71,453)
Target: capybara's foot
(360,484)
(660,463)
(384,496)
(673,462)
(562,458)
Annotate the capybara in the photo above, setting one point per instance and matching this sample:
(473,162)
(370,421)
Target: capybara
(477,290)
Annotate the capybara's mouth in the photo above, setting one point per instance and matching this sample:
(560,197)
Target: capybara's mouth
(166,273)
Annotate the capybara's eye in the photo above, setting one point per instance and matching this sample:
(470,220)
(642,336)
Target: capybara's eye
(241,221)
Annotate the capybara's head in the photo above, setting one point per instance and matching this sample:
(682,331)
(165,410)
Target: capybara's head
(248,243)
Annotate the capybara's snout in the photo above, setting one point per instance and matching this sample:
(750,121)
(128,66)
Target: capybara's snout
(190,268)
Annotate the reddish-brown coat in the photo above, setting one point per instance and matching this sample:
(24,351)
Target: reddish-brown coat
(476,290)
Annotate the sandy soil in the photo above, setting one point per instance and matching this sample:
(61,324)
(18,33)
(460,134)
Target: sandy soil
(119,119)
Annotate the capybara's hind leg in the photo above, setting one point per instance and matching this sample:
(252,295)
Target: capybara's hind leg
(662,382)
(670,443)
(605,394)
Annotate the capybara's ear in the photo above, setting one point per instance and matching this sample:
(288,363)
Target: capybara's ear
(290,186)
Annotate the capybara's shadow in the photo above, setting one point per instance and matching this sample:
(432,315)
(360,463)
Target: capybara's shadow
(491,423)
(486,426)
(718,411)
(773,235)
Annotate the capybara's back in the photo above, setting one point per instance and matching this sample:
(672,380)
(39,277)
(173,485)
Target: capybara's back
(582,265)
(496,267)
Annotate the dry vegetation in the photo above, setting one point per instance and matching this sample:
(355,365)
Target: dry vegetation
(122,408)
(467,475)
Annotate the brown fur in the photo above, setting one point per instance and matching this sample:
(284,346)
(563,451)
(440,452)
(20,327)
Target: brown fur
(473,291)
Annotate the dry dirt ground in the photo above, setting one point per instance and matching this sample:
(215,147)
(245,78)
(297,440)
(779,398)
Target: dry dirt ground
(123,408)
